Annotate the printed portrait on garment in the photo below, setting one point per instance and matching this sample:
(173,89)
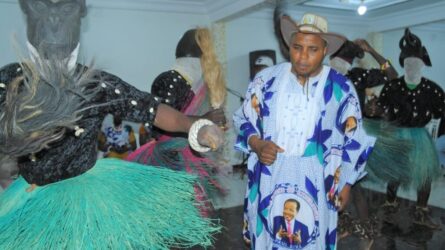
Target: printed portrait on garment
(346,121)
(331,185)
(350,125)
(255,104)
(294,217)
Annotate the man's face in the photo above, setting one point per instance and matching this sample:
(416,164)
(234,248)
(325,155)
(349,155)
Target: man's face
(290,210)
(53,26)
(306,54)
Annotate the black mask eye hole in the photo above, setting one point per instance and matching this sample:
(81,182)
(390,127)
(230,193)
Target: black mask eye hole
(38,6)
(69,8)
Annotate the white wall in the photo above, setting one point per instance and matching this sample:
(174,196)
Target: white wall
(134,45)
(11,24)
(433,41)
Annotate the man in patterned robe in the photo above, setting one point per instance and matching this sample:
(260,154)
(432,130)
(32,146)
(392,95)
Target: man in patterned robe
(293,122)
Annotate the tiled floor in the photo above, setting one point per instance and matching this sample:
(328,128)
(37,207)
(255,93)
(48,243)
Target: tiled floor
(404,236)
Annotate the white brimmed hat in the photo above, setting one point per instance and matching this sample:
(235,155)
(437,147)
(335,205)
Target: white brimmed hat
(311,24)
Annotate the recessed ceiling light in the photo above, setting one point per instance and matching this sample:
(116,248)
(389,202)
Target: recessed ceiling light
(361,10)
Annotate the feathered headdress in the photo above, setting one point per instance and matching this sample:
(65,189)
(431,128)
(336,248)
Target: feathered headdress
(41,105)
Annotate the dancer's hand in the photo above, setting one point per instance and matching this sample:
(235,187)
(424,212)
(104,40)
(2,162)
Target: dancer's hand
(211,136)
(217,116)
(364,45)
(344,197)
(266,150)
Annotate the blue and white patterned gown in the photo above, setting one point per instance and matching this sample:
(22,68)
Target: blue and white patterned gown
(320,158)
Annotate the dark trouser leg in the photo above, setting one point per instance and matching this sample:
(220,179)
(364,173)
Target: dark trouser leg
(391,191)
(423,194)
(391,206)
(360,203)
(365,228)
(421,214)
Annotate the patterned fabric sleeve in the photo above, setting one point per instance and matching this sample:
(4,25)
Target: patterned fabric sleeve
(357,144)
(385,98)
(173,89)
(366,78)
(246,117)
(75,154)
(133,105)
(437,101)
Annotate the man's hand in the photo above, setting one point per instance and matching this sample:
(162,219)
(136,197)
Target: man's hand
(265,150)
(344,197)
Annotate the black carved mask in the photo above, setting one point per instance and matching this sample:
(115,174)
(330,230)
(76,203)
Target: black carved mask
(53,26)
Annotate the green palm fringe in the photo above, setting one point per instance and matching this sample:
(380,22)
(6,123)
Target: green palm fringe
(405,155)
(115,205)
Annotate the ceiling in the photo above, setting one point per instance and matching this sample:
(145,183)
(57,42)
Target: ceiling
(375,7)
(380,12)
(382,15)
(226,9)
(350,4)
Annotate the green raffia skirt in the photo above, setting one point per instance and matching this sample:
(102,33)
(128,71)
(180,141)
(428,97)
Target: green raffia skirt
(404,155)
(114,205)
